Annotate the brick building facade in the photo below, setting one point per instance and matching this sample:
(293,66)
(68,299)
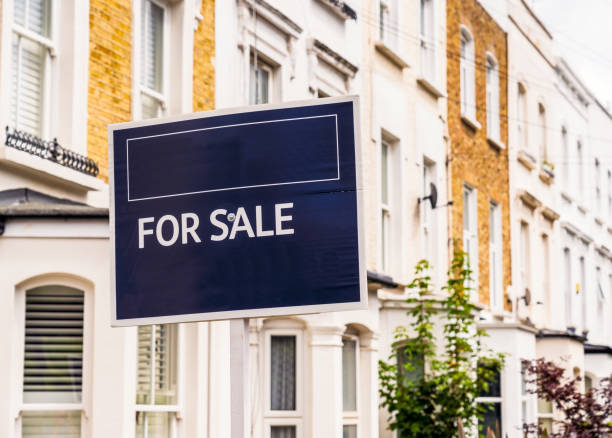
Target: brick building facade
(478,158)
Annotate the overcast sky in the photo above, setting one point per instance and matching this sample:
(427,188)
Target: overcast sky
(583,31)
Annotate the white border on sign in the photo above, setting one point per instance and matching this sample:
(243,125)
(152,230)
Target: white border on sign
(249,313)
(335,116)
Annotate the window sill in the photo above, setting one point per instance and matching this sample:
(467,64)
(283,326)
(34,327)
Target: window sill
(526,159)
(391,55)
(40,166)
(430,88)
(471,122)
(497,144)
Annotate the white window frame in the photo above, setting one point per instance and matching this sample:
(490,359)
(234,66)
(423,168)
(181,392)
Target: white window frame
(542,116)
(284,418)
(350,418)
(568,289)
(580,167)
(386,209)
(388,26)
(20,307)
(495,263)
(545,415)
(521,116)
(177,408)
(162,97)
(583,291)
(525,257)
(598,203)
(467,75)
(471,235)
(609,173)
(546,283)
(493,98)
(499,400)
(50,66)
(566,158)
(262,64)
(427,45)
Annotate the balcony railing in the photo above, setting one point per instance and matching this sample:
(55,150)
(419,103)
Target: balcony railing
(50,150)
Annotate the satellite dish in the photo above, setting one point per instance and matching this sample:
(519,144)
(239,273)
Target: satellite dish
(527,296)
(433,195)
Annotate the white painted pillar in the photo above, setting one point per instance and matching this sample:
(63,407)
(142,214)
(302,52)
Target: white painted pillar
(326,382)
(368,385)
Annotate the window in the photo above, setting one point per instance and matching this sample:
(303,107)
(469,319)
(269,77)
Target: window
(428,218)
(260,81)
(153,99)
(53,361)
(426,40)
(411,369)
(525,262)
(546,273)
(599,292)
(495,258)
(598,203)
(580,164)
(542,123)
(521,116)
(156,384)
(525,397)
(350,359)
(385,204)
(583,291)
(283,404)
(545,415)
(609,194)
(491,401)
(492,98)
(32,51)
(388,22)
(566,163)
(567,265)
(467,75)
(470,235)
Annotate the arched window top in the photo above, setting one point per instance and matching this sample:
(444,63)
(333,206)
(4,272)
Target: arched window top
(466,35)
(522,87)
(491,61)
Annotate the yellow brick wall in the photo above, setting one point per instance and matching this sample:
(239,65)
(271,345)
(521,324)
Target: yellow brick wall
(473,159)
(110,73)
(203,59)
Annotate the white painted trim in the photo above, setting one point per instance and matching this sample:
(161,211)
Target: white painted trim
(56,228)
(362,304)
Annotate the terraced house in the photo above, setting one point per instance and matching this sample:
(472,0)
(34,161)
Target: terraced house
(68,69)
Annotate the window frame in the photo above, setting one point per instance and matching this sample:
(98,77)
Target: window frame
(350,418)
(139,89)
(543,117)
(386,209)
(83,407)
(284,418)
(569,292)
(467,74)
(493,97)
(177,408)
(565,151)
(50,46)
(521,117)
(388,23)
(496,247)
(471,234)
(427,46)
(525,245)
(428,221)
(270,69)
(499,400)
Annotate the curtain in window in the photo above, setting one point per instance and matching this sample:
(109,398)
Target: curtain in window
(349,375)
(53,361)
(282,432)
(283,367)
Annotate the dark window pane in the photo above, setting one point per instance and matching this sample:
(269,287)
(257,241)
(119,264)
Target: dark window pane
(418,365)
(491,419)
(282,432)
(494,389)
(349,431)
(282,373)
(349,375)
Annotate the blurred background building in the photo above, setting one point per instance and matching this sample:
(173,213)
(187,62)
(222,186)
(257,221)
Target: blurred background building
(467,98)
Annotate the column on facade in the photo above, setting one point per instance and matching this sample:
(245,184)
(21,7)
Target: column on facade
(326,381)
(368,348)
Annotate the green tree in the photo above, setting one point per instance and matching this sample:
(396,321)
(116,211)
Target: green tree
(431,391)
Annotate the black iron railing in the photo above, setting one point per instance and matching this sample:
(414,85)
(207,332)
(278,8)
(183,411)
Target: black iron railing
(50,150)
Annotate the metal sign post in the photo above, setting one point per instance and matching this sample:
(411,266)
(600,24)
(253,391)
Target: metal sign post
(240,396)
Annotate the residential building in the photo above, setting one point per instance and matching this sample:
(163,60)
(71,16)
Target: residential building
(69,68)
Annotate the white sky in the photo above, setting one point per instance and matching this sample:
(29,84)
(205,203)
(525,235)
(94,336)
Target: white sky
(583,33)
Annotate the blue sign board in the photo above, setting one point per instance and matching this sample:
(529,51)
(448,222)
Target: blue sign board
(237,213)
